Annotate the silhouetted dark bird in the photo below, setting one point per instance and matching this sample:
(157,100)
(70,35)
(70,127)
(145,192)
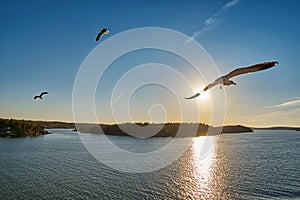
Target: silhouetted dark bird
(224,80)
(40,96)
(101,32)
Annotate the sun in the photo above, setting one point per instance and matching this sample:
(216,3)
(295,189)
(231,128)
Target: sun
(204,96)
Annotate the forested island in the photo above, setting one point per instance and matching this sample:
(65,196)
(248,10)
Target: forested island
(22,128)
(160,130)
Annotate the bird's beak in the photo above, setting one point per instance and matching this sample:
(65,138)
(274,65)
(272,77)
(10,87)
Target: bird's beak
(234,83)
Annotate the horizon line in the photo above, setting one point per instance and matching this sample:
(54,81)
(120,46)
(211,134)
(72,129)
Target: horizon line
(143,122)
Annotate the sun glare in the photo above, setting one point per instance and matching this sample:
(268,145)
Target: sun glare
(205,96)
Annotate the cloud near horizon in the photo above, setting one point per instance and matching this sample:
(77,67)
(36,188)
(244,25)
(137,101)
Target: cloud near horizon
(211,20)
(285,111)
(285,104)
(280,117)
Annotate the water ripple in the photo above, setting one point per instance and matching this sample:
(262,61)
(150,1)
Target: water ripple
(263,165)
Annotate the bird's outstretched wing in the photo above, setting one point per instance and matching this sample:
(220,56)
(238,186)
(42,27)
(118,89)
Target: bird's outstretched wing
(35,97)
(98,36)
(194,96)
(103,31)
(216,82)
(44,93)
(250,69)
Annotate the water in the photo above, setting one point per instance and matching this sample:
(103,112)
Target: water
(260,165)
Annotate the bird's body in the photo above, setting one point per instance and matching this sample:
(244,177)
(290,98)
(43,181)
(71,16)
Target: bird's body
(40,96)
(225,80)
(101,32)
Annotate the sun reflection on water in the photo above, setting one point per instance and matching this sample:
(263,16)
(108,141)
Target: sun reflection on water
(204,157)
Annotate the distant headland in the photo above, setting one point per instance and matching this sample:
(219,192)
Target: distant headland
(23,128)
(278,128)
(20,128)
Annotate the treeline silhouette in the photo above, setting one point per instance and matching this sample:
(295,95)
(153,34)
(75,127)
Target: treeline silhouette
(160,130)
(20,128)
(279,128)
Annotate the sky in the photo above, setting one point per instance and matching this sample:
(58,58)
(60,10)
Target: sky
(44,43)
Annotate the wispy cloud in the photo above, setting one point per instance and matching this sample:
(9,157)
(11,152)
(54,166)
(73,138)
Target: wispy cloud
(288,107)
(209,21)
(285,104)
(212,19)
(229,4)
(277,117)
(284,113)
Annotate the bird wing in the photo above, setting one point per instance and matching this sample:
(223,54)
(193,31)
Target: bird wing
(210,86)
(98,36)
(250,69)
(101,33)
(194,96)
(216,82)
(35,97)
(44,93)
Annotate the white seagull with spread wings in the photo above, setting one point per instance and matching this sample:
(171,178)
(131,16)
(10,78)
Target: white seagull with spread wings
(224,80)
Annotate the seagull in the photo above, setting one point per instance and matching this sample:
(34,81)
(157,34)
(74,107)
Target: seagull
(41,95)
(101,32)
(224,80)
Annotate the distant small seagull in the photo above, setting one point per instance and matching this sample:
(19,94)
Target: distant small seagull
(101,32)
(40,96)
(224,80)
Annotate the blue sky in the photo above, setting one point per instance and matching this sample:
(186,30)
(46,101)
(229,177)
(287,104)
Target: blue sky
(43,44)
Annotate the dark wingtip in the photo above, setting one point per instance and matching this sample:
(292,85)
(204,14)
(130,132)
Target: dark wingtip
(273,63)
(194,96)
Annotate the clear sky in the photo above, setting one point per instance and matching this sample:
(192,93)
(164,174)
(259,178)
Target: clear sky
(43,44)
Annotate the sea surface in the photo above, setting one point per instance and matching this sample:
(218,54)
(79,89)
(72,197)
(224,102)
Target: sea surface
(259,165)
